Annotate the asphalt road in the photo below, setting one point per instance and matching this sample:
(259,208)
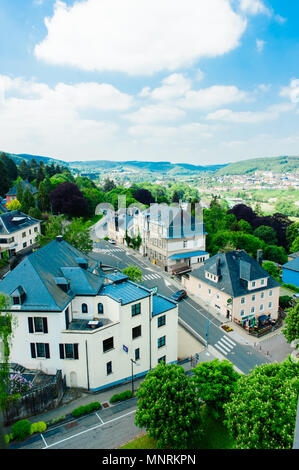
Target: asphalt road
(106,429)
(244,357)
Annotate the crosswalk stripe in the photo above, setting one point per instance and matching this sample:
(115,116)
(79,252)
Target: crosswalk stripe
(224,346)
(220,349)
(230,341)
(227,343)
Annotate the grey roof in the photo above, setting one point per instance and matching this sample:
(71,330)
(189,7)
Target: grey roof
(162,304)
(39,272)
(236,268)
(125,292)
(293,265)
(14,221)
(25,184)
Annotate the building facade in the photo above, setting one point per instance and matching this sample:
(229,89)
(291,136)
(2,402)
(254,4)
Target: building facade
(237,287)
(72,316)
(290,272)
(18,232)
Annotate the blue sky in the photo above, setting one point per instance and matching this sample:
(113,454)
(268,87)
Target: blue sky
(182,81)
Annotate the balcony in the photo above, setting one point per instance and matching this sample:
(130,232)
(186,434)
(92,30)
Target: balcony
(88,325)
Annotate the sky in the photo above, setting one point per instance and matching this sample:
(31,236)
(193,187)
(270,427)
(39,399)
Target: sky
(187,81)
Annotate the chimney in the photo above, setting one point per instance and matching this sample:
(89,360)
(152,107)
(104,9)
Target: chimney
(59,238)
(259,256)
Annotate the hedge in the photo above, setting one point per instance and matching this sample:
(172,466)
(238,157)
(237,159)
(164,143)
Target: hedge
(83,410)
(121,396)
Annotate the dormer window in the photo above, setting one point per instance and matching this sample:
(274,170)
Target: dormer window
(18,296)
(84,308)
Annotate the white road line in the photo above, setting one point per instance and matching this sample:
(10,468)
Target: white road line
(227,343)
(88,430)
(100,418)
(218,347)
(44,440)
(223,346)
(230,341)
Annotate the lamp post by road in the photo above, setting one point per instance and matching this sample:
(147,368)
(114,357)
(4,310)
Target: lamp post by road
(132,362)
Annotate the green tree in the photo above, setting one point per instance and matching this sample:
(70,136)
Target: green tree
(291,323)
(261,413)
(244,226)
(44,191)
(295,246)
(168,406)
(6,333)
(214,382)
(292,233)
(267,234)
(28,201)
(271,269)
(4,180)
(275,253)
(134,273)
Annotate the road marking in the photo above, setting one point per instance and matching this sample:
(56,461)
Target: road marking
(227,343)
(216,345)
(230,341)
(88,430)
(44,440)
(100,418)
(223,346)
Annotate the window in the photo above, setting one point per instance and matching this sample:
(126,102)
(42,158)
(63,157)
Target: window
(270,304)
(68,351)
(84,308)
(210,291)
(270,293)
(262,282)
(38,324)
(161,341)
(161,321)
(136,309)
(184,244)
(252,309)
(41,350)
(109,368)
(137,354)
(253,284)
(253,298)
(23,234)
(100,308)
(199,286)
(136,332)
(261,307)
(162,359)
(243,300)
(35,229)
(262,295)
(242,313)
(24,245)
(108,344)
(16,300)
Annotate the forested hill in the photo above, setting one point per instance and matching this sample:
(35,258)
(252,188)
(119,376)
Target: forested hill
(275,164)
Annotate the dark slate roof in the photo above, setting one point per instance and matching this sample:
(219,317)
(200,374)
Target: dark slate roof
(162,304)
(236,268)
(3,209)
(14,221)
(293,265)
(38,274)
(125,292)
(25,184)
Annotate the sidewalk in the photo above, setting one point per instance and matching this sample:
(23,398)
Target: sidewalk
(103,397)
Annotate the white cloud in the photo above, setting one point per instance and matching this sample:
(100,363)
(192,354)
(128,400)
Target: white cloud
(173,86)
(254,7)
(292,91)
(66,120)
(250,117)
(155,112)
(260,44)
(186,132)
(214,96)
(139,36)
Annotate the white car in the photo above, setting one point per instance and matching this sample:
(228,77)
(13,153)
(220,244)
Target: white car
(111,241)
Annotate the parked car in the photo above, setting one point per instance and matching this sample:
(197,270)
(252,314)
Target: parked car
(180,295)
(111,241)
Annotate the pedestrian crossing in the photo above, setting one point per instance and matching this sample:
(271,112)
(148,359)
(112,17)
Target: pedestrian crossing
(225,345)
(108,251)
(149,277)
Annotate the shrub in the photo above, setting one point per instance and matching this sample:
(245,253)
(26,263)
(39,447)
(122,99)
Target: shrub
(40,426)
(285,301)
(21,429)
(121,396)
(57,420)
(83,410)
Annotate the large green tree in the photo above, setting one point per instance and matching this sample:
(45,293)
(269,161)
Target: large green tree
(168,406)
(214,382)
(261,413)
(291,324)
(134,273)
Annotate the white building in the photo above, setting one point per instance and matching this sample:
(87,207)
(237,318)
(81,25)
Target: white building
(18,232)
(73,316)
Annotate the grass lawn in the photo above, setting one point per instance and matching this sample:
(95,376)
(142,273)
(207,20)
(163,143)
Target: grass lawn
(214,436)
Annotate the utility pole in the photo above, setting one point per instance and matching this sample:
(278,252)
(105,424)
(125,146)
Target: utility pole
(132,362)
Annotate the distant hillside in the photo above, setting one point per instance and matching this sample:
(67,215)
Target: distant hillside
(275,164)
(25,156)
(161,167)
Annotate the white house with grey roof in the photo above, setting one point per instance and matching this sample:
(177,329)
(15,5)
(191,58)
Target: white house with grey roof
(18,232)
(237,287)
(73,316)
